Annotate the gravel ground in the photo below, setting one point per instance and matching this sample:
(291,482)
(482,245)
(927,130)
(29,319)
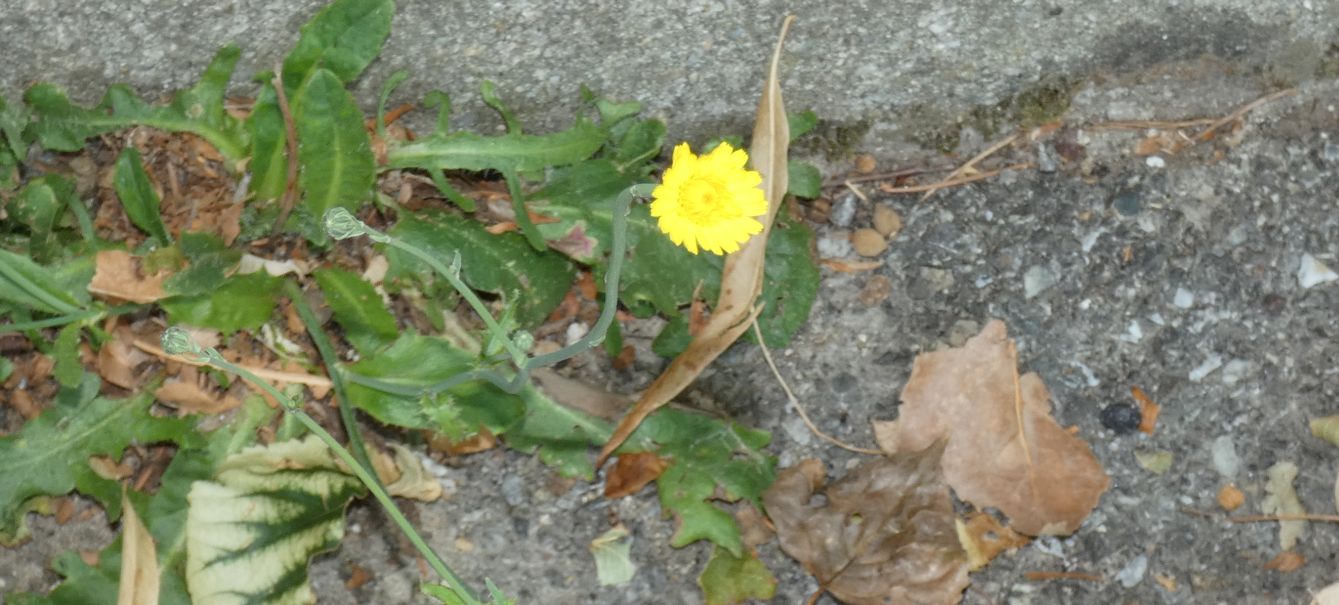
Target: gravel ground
(1179,275)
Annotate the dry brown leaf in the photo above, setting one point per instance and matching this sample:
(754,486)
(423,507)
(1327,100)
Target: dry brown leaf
(741,278)
(1004,449)
(118,274)
(1148,410)
(884,535)
(139,560)
(1168,583)
(754,529)
(1286,561)
(118,358)
(632,472)
(578,395)
(403,474)
(192,397)
(358,576)
(64,509)
(105,467)
(983,538)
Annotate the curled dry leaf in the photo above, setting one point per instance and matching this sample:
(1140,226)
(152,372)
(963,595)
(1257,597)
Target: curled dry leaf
(118,358)
(1286,561)
(139,560)
(117,274)
(1282,500)
(632,472)
(983,538)
(742,276)
(189,393)
(884,535)
(1004,450)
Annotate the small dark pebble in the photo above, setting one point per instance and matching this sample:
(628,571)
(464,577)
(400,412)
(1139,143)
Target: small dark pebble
(1127,202)
(1273,304)
(1121,417)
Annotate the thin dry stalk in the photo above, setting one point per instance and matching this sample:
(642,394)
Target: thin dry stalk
(767,354)
(311,380)
(969,166)
(291,137)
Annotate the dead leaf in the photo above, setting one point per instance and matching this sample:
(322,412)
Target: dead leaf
(139,560)
(118,358)
(1286,561)
(277,268)
(1148,410)
(189,394)
(578,395)
(742,276)
(64,509)
(358,576)
(109,469)
(1004,450)
(404,476)
(983,538)
(843,266)
(1282,500)
(754,529)
(632,472)
(481,441)
(1168,583)
(885,533)
(23,403)
(118,274)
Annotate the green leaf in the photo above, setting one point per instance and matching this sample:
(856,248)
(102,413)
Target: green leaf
(510,152)
(801,123)
(730,580)
(790,281)
(418,362)
(62,126)
(138,197)
(334,150)
(805,180)
(638,144)
(344,38)
(503,264)
(32,286)
(711,460)
(69,370)
(358,308)
(39,207)
(49,455)
(613,565)
(582,198)
(209,262)
(269,158)
(243,302)
(252,530)
(561,436)
(13,119)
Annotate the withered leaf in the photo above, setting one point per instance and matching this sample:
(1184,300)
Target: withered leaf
(139,560)
(118,274)
(742,276)
(632,472)
(189,394)
(118,358)
(1004,450)
(982,536)
(884,536)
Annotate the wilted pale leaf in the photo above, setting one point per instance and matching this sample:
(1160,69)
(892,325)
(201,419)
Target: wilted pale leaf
(884,535)
(139,560)
(1004,450)
(729,580)
(613,566)
(742,278)
(1282,500)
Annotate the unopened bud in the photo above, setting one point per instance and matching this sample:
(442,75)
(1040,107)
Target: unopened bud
(523,339)
(177,341)
(342,224)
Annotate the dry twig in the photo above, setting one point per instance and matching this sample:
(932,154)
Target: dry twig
(291,135)
(311,380)
(968,167)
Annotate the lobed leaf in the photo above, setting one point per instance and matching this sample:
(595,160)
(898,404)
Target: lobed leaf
(59,125)
(731,580)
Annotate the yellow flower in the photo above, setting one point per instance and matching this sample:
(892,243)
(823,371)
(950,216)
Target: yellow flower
(709,200)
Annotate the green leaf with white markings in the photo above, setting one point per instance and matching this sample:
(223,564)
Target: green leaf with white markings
(358,308)
(137,196)
(535,282)
(335,154)
(60,125)
(252,530)
(39,207)
(509,152)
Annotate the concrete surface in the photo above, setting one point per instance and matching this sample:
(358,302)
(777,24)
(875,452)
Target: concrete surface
(887,73)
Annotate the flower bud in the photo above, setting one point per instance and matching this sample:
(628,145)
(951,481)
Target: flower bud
(342,224)
(177,341)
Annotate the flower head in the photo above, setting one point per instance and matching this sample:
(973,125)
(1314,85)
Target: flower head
(709,201)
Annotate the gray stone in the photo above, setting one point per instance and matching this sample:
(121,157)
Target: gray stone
(843,212)
(1225,459)
(1133,572)
(834,245)
(1127,202)
(1038,279)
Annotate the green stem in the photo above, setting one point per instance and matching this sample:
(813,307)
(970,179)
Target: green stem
(36,291)
(327,351)
(528,228)
(371,482)
(49,322)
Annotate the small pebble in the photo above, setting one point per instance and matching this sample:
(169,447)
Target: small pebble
(887,221)
(1212,363)
(1121,418)
(1183,298)
(513,490)
(1235,371)
(1155,161)
(843,212)
(1047,161)
(1156,462)
(865,163)
(868,242)
(1037,279)
(1224,454)
(1133,572)
(1127,202)
(834,245)
(1331,152)
(1312,272)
